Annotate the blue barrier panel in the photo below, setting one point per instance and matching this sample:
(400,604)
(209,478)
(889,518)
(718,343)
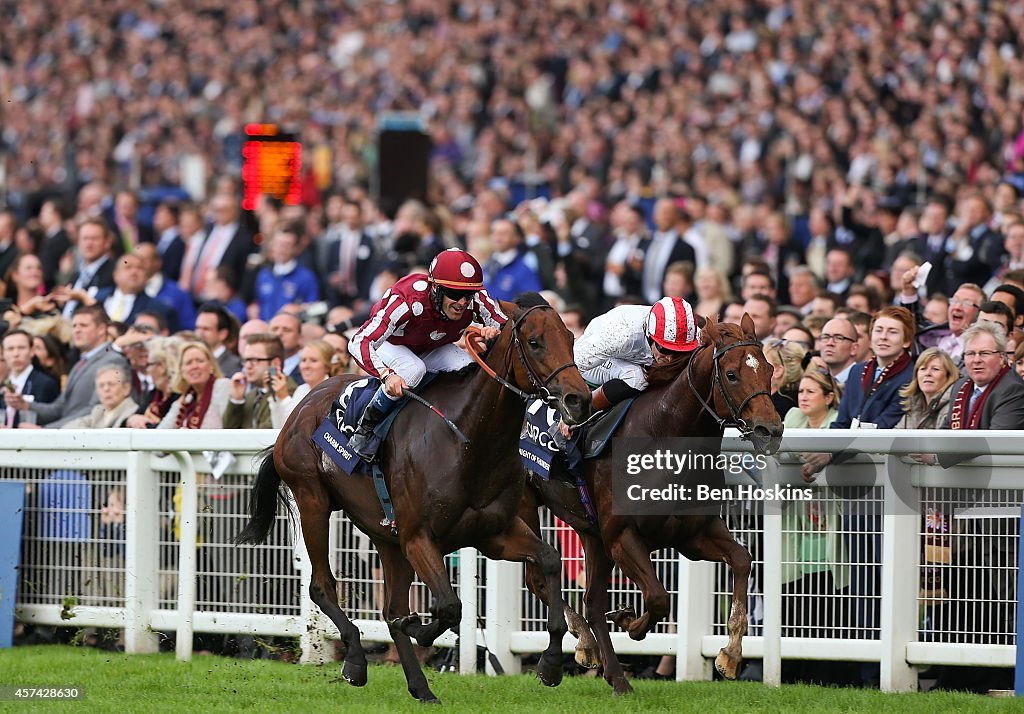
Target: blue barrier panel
(1018,674)
(12,507)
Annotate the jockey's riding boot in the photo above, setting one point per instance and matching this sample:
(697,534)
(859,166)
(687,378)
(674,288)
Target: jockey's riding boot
(378,408)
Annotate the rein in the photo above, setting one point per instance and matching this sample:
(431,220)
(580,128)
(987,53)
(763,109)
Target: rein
(541,386)
(735,413)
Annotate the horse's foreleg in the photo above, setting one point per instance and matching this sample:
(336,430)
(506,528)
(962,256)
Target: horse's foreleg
(428,561)
(599,570)
(398,575)
(323,588)
(519,544)
(717,544)
(586,646)
(633,556)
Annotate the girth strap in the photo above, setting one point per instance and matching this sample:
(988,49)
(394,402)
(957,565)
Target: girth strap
(385,498)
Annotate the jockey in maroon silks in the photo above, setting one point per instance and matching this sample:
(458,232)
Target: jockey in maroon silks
(413,328)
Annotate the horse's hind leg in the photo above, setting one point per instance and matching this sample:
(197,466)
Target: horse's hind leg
(323,591)
(586,646)
(398,575)
(717,544)
(633,556)
(428,562)
(599,570)
(519,544)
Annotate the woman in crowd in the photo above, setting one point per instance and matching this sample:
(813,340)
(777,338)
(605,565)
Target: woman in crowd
(1018,360)
(318,362)
(24,281)
(159,368)
(813,553)
(926,397)
(817,401)
(50,355)
(712,291)
(786,359)
(114,389)
(204,393)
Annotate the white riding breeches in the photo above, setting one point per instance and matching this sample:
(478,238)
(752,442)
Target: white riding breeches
(613,368)
(411,367)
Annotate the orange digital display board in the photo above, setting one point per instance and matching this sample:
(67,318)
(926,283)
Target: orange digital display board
(271,165)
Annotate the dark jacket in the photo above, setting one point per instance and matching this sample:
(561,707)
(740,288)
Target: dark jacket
(884,408)
(1003,409)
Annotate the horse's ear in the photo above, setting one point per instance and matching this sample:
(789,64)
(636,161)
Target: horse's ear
(747,325)
(710,331)
(700,320)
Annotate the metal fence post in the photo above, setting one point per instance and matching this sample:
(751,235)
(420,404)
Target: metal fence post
(900,576)
(504,612)
(468,595)
(142,553)
(694,618)
(187,556)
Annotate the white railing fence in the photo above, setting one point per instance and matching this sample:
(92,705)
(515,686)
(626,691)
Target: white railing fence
(890,562)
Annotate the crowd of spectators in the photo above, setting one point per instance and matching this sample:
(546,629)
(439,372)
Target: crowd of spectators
(799,162)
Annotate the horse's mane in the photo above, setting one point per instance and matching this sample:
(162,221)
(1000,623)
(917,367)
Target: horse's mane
(525,300)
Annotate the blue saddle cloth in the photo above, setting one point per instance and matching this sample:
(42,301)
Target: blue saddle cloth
(538,452)
(339,425)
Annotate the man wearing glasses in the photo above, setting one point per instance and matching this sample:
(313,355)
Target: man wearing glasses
(413,329)
(251,389)
(962,312)
(991,396)
(839,348)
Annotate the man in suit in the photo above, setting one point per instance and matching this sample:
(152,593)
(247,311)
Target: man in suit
(178,303)
(251,392)
(169,244)
(127,298)
(95,266)
(214,327)
(55,242)
(666,246)
(287,327)
(991,396)
(227,242)
(23,378)
(89,335)
(348,255)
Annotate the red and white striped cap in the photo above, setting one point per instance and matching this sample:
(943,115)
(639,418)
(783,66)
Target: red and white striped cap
(671,324)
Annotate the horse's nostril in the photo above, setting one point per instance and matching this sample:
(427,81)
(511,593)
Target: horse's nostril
(572,401)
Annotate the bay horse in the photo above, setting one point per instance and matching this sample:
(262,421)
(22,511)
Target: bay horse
(725,382)
(446,495)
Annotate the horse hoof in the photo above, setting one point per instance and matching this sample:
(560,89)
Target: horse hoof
(621,687)
(550,676)
(727,665)
(427,697)
(623,617)
(354,674)
(588,658)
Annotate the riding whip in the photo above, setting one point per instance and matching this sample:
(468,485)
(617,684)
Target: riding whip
(451,425)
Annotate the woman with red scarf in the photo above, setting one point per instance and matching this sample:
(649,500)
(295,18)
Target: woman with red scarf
(204,393)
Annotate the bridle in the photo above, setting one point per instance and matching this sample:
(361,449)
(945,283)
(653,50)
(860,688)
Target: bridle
(735,419)
(541,385)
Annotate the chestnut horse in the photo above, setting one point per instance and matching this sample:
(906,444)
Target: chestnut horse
(725,382)
(446,495)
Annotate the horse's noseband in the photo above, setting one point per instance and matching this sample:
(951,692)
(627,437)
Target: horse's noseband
(735,413)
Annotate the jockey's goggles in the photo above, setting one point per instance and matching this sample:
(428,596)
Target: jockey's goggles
(456,295)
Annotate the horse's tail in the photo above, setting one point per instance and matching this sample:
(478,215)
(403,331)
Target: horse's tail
(263,502)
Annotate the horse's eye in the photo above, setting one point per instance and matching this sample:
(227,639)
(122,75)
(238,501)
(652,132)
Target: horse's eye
(533,343)
(731,376)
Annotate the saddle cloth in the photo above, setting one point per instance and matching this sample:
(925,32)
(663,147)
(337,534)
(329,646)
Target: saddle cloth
(538,452)
(341,420)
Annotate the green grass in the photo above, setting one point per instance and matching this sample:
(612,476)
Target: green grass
(157,683)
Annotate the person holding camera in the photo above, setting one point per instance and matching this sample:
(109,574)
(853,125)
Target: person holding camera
(252,388)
